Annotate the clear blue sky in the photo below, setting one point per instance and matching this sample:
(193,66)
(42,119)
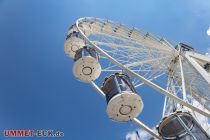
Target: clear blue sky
(37,87)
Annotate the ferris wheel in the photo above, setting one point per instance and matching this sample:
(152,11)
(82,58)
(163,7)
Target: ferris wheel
(117,60)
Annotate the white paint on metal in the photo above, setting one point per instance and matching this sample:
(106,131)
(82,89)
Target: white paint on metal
(183,80)
(73,44)
(143,126)
(124,107)
(197,67)
(87,69)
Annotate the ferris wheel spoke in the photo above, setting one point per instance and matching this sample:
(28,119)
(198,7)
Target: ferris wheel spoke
(116,70)
(130,47)
(135,47)
(134,50)
(148,72)
(147,61)
(131,61)
(136,65)
(147,40)
(151,79)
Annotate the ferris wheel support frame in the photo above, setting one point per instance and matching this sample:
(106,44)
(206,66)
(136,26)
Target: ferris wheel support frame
(143,126)
(135,120)
(149,83)
(166,97)
(164,106)
(182,78)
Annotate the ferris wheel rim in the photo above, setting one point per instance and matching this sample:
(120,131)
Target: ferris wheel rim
(118,23)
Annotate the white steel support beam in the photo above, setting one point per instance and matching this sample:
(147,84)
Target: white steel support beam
(198,68)
(183,81)
(165,99)
(135,120)
(143,126)
(199,56)
(164,106)
(97,89)
(151,84)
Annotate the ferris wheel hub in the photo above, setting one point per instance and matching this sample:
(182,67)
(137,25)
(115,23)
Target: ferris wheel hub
(124,107)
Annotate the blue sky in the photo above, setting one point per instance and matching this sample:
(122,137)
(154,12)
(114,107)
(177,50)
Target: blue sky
(37,87)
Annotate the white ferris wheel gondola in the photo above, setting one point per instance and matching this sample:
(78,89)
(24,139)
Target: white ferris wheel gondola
(73,42)
(86,67)
(123,102)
